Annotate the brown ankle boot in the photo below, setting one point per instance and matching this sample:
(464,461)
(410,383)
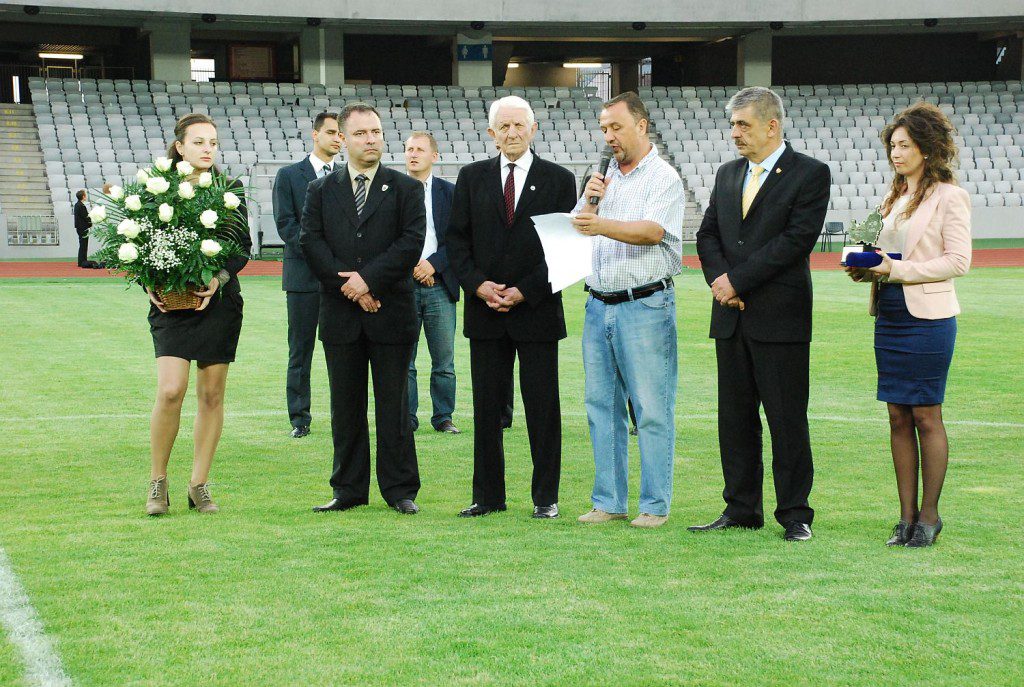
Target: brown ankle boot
(159,500)
(199,498)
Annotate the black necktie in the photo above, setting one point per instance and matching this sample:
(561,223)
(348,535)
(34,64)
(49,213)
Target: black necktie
(360,193)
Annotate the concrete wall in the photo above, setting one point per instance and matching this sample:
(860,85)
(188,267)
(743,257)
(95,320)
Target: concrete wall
(670,11)
(543,74)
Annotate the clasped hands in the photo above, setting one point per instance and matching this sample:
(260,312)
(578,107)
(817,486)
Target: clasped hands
(723,291)
(498,297)
(356,290)
(424,272)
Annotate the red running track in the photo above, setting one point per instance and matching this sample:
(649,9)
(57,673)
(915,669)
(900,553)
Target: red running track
(989,257)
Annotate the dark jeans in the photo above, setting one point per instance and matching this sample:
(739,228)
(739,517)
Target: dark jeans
(303,313)
(435,312)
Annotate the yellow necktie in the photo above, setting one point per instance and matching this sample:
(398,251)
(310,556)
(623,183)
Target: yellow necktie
(752,188)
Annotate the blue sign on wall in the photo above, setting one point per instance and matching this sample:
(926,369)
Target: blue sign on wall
(482,52)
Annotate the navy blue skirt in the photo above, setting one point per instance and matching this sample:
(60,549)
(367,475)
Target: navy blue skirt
(912,354)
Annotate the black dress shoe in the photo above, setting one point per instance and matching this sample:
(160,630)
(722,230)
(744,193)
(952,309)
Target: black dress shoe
(506,424)
(901,533)
(406,507)
(924,535)
(448,427)
(724,522)
(797,531)
(299,432)
(337,504)
(476,510)
(546,511)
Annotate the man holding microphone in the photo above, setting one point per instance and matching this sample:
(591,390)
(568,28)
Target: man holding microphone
(629,333)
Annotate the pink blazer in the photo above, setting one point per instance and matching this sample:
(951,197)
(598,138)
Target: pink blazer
(938,248)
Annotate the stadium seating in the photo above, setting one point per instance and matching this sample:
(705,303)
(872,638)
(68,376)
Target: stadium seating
(94,131)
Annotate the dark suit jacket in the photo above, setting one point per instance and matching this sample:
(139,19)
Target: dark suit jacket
(765,254)
(441,192)
(82,221)
(481,247)
(289,199)
(383,246)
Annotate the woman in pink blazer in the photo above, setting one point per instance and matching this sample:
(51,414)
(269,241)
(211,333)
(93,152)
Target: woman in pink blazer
(927,219)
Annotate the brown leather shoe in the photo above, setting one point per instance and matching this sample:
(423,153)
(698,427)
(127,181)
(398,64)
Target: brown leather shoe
(598,516)
(649,521)
(159,500)
(199,498)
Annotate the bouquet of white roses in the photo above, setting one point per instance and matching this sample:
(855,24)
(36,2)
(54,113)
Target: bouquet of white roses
(167,233)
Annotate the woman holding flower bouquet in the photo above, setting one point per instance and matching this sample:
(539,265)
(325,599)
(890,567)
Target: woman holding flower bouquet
(927,220)
(181,231)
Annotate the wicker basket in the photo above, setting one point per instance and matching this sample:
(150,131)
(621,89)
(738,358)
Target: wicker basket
(177,300)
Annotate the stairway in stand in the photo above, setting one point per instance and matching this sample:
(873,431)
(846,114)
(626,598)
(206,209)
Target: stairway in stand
(25,201)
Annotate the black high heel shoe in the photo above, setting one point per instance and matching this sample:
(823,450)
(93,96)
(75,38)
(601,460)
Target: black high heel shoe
(924,534)
(901,533)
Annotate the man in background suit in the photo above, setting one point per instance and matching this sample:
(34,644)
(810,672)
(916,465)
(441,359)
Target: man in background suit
(82,226)
(301,288)
(437,288)
(765,215)
(362,234)
(509,308)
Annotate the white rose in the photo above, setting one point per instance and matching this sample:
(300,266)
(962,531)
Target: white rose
(157,185)
(165,213)
(116,192)
(184,168)
(186,191)
(205,180)
(142,176)
(231,201)
(133,203)
(98,213)
(128,228)
(127,252)
(209,248)
(163,163)
(208,219)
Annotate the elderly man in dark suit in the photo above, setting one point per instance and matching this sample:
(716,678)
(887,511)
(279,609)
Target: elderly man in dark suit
(362,233)
(437,288)
(297,281)
(765,215)
(509,307)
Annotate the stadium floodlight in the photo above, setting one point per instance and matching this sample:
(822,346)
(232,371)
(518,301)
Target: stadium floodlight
(513,65)
(582,65)
(60,56)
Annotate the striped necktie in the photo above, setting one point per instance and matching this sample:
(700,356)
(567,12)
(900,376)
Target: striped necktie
(752,188)
(510,194)
(360,193)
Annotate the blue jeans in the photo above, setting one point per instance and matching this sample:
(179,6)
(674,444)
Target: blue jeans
(435,311)
(629,351)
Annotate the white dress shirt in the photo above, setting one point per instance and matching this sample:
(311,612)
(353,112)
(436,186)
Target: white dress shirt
(521,170)
(767,164)
(430,244)
(319,166)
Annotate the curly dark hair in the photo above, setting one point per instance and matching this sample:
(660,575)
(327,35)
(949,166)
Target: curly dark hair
(181,127)
(930,129)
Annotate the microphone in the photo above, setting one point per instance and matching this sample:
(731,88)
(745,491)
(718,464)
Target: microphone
(602,167)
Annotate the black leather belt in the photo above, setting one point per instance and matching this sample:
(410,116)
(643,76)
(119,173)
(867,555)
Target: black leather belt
(613,297)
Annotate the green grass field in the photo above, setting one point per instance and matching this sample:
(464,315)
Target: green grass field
(267,593)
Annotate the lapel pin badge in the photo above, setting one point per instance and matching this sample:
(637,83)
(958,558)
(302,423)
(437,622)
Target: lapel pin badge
(533,188)
(384,187)
(778,170)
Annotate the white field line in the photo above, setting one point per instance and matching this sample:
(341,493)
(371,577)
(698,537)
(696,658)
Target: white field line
(42,664)
(841,419)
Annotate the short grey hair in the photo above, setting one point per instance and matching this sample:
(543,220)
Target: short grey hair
(766,102)
(513,102)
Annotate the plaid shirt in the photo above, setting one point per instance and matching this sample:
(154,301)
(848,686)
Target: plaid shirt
(651,192)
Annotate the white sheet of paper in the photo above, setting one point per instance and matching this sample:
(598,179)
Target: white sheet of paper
(566,251)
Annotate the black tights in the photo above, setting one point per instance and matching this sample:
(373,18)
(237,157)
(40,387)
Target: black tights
(910,427)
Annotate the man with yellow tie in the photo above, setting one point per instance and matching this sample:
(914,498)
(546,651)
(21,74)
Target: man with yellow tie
(764,217)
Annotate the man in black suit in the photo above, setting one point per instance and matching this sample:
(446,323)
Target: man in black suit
(765,215)
(302,290)
(437,288)
(509,307)
(362,233)
(82,226)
